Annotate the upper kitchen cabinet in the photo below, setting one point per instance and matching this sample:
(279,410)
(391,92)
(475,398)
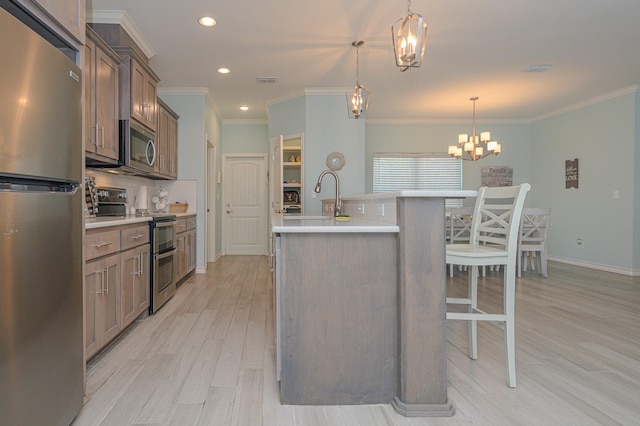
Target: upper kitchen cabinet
(167,137)
(144,94)
(101,106)
(65,17)
(70,14)
(138,82)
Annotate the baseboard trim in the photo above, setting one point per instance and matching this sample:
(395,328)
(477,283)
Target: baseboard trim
(598,266)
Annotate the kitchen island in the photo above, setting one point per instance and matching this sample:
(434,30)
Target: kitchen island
(361,305)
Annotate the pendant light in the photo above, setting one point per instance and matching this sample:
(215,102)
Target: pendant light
(358,103)
(469,148)
(409,35)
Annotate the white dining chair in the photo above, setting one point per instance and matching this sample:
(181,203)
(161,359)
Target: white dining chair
(494,241)
(459,229)
(532,239)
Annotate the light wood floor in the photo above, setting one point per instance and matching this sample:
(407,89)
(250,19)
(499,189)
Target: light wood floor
(207,357)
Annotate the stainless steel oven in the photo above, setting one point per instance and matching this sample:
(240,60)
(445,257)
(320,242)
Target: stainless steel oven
(163,283)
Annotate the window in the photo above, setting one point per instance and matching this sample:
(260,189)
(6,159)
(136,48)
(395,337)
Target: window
(394,171)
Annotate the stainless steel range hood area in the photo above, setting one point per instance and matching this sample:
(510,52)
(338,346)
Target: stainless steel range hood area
(130,162)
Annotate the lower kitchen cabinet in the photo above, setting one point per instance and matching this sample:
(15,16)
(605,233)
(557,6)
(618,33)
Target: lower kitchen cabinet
(102,308)
(186,246)
(116,283)
(134,292)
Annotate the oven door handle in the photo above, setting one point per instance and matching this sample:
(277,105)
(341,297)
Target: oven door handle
(165,254)
(164,224)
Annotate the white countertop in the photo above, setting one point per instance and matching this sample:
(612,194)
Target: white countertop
(449,193)
(106,221)
(326,224)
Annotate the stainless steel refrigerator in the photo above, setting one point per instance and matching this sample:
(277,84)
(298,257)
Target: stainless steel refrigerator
(41,344)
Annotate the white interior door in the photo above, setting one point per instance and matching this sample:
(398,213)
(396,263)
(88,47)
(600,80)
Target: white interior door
(244,204)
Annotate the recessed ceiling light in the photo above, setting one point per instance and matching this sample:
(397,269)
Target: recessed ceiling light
(537,68)
(223,70)
(207,21)
(244,108)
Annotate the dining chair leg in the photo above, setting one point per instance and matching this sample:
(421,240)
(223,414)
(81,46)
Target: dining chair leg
(543,263)
(519,260)
(509,326)
(473,324)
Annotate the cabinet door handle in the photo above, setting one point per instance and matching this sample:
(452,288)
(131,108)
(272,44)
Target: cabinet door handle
(106,270)
(100,245)
(140,264)
(97,137)
(102,135)
(137,237)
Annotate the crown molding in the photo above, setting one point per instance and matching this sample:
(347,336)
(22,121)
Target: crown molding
(593,101)
(286,98)
(120,17)
(444,121)
(320,91)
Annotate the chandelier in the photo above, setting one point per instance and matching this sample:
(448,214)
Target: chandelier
(358,104)
(469,148)
(409,35)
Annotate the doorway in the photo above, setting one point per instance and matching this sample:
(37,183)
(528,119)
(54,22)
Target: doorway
(212,201)
(244,192)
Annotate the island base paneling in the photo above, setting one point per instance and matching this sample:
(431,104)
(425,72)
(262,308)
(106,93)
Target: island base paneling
(339,319)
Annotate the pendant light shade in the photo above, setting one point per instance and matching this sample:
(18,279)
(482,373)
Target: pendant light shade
(358,102)
(409,35)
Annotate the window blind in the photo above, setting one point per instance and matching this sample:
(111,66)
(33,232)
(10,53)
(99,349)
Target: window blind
(417,171)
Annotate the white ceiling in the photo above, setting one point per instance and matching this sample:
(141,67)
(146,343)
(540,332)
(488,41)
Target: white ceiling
(474,48)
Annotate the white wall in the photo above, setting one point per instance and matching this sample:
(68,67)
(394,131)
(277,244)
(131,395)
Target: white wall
(602,136)
(329,129)
(436,137)
(198,122)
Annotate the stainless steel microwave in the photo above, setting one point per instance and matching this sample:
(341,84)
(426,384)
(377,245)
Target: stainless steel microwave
(137,146)
(137,152)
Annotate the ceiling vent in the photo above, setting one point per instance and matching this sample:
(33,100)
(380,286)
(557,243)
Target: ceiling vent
(267,79)
(537,68)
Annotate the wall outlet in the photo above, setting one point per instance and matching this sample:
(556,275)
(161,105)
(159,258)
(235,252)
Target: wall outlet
(580,242)
(361,208)
(380,209)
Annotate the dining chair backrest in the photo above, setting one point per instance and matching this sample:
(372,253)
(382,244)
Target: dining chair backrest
(460,224)
(493,217)
(534,226)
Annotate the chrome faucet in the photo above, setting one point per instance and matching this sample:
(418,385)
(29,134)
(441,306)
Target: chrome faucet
(338,207)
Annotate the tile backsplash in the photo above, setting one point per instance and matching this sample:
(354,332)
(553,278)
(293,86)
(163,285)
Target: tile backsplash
(180,191)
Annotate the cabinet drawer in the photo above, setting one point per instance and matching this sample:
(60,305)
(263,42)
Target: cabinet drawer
(181,225)
(134,236)
(100,243)
(191,222)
